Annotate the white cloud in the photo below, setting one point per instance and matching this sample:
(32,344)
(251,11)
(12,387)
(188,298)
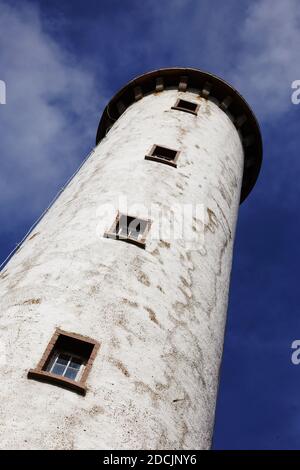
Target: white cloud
(268,58)
(50,119)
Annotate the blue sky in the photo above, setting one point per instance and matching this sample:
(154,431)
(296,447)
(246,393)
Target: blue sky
(62,61)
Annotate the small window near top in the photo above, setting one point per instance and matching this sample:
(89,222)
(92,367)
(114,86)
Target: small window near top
(161,154)
(187,106)
(67,361)
(130,229)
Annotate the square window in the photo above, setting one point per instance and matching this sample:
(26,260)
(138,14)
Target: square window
(187,106)
(66,361)
(129,229)
(161,154)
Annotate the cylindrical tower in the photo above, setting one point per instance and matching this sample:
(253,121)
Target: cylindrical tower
(111,328)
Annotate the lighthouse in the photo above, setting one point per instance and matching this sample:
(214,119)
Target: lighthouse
(113,315)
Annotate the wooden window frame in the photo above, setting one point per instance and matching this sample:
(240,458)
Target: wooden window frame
(112,232)
(150,156)
(180,108)
(41,374)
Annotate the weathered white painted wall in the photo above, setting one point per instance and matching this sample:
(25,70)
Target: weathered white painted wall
(158,313)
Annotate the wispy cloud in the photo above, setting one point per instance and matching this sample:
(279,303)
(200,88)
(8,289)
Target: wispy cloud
(268,56)
(50,115)
(254,45)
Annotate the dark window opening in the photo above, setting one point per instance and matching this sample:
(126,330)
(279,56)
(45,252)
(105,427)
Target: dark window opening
(130,229)
(187,106)
(69,357)
(162,154)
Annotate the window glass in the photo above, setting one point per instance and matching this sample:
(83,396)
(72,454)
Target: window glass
(66,366)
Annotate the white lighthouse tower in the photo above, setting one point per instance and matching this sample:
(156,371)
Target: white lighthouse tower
(112,329)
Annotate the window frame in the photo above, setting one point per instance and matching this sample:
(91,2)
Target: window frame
(41,372)
(54,359)
(180,108)
(112,232)
(155,158)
